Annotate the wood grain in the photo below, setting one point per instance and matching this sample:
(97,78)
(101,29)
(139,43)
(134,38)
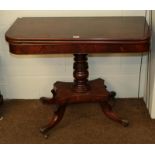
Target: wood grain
(52,35)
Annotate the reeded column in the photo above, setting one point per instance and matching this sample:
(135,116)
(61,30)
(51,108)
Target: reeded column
(80,73)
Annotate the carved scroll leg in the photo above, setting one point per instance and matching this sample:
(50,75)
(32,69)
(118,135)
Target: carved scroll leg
(46,100)
(107,109)
(58,115)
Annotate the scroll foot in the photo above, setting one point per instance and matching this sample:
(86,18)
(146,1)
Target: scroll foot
(107,110)
(58,115)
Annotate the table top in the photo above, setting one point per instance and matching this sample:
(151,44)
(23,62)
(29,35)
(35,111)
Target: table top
(75,33)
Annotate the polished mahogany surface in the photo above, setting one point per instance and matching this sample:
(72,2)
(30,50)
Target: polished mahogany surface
(52,35)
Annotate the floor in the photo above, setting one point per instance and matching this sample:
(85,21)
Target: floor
(82,124)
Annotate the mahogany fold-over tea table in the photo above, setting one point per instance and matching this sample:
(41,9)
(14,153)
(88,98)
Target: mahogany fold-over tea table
(79,36)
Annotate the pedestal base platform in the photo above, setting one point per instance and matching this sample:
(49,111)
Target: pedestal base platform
(63,93)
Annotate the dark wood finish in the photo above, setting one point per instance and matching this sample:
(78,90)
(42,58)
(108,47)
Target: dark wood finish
(58,115)
(80,73)
(49,35)
(107,110)
(65,94)
(87,28)
(79,36)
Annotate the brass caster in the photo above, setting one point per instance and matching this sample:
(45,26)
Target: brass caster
(1,118)
(43,130)
(125,122)
(45,136)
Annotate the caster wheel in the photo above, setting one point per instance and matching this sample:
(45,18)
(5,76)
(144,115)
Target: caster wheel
(125,123)
(45,136)
(42,130)
(1,118)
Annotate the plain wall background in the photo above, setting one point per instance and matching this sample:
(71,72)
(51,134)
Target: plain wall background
(30,77)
